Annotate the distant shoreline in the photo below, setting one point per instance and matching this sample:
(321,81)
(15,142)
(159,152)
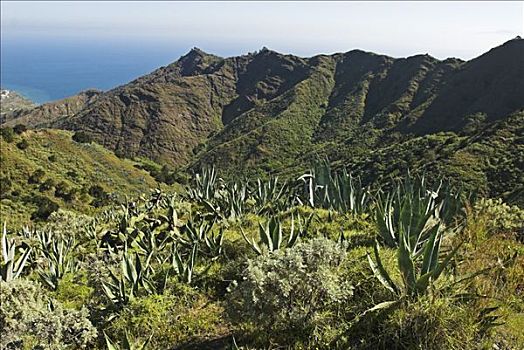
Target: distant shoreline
(36,96)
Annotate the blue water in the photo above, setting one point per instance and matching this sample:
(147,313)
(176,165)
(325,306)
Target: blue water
(46,70)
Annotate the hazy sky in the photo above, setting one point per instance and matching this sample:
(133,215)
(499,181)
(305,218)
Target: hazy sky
(442,29)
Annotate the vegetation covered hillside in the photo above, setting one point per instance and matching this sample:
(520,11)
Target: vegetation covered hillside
(319,262)
(44,170)
(486,159)
(267,112)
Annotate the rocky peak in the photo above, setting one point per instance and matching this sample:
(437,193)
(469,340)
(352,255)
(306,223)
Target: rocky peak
(195,62)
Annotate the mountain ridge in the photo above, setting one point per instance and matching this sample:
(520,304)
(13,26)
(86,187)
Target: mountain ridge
(260,112)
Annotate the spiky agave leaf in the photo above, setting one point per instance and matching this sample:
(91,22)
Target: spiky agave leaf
(252,243)
(406,265)
(126,343)
(380,272)
(12,267)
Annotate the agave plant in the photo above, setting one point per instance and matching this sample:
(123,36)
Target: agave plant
(229,202)
(12,265)
(153,243)
(338,191)
(452,204)
(184,267)
(126,343)
(205,185)
(418,270)
(195,230)
(59,259)
(131,223)
(134,276)
(214,242)
(271,235)
(350,195)
(270,195)
(198,231)
(29,234)
(156,200)
(172,216)
(414,211)
(233,199)
(130,219)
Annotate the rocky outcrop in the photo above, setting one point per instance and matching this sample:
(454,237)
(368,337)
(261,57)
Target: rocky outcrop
(50,113)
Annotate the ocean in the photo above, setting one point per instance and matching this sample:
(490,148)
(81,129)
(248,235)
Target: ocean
(46,70)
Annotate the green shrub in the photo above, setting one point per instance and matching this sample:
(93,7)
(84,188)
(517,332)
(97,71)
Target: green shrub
(7,134)
(64,222)
(47,185)
(31,320)
(73,292)
(498,216)
(101,197)
(289,293)
(36,177)
(45,207)
(20,129)
(72,174)
(166,174)
(82,137)
(52,158)
(22,144)
(64,191)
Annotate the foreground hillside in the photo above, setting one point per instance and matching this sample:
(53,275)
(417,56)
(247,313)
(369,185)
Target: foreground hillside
(43,170)
(318,263)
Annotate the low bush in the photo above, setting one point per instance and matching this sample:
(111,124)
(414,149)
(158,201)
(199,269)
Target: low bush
(427,323)
(498,216)
(47,185)
(100,196)
(64,191)
(73,291)
(45,208)
(5,186)
(36,177)
(23,144)
(7,134)
(31,320)
(72,174)
(20,129)
(289,293)
(82,137)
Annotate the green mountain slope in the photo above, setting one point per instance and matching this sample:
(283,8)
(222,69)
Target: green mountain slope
(371,103)
(54,168)
(267,112)
(488,161)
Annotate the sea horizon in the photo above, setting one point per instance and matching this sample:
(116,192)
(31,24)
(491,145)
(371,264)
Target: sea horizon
(45,70)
